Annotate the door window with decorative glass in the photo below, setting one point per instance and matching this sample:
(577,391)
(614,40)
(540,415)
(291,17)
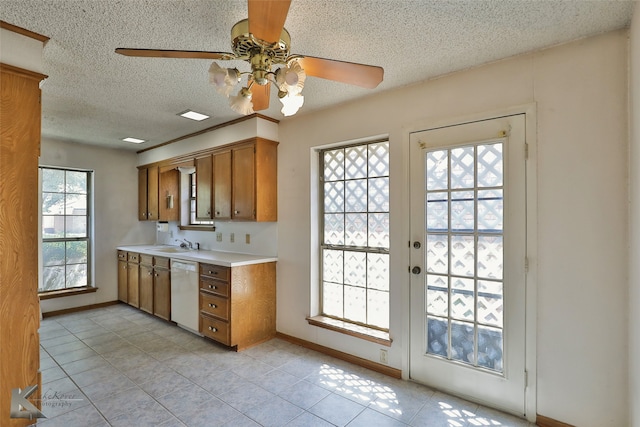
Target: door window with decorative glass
(355,233)
(66,209)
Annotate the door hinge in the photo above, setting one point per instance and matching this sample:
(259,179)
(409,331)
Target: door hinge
(526,264)
(526,151)
(526,378)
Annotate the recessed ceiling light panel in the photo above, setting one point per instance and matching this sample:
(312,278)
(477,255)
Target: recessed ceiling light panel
(189,114)
(134,140)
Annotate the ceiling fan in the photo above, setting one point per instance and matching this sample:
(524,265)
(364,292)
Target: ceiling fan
(263,42)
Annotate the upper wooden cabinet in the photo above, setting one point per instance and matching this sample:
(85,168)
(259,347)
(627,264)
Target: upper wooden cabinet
(204,180)
(169,195)
(148,194)
(237,181)
(222,185)
(244,182)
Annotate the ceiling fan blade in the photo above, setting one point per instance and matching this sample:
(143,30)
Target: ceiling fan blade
(266,18)
(367,76)
(260,96)
(159,53)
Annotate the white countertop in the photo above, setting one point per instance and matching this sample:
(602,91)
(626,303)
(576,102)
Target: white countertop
(226,259)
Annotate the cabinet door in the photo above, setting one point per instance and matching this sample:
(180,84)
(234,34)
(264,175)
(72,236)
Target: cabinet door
(146,288)
(142,195)
(222,185)
(122,280)
(243,172)
(204,179)
(152,194)
(162,293)
(132,284)
(169,199)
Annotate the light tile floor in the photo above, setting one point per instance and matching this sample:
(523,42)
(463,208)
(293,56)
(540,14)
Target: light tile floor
(117,366)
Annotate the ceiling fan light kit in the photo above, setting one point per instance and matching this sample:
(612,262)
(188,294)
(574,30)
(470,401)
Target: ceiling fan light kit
(257,42)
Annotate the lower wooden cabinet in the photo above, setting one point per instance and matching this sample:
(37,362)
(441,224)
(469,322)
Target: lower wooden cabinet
(122,277)
(145,284)
(144,281)
(162,288)
(238,304)
(133,275)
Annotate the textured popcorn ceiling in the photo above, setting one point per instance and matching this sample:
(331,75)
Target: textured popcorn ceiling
(94,96)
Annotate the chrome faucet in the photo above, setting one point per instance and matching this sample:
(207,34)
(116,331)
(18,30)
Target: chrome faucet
(185,243)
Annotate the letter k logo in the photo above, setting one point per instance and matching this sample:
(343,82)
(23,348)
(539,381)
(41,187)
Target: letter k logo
(21,407)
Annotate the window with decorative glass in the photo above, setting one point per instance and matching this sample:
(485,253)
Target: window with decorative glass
(66,228)
(354,250)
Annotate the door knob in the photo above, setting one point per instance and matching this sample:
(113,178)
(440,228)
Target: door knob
(416,245)
(416,270)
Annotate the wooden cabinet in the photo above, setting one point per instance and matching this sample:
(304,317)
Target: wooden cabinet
(169,195)
(145,283)
(19,304)
(148,193)
(238,304)
(244,183)
(238,182)
(162,288)
(133,275)
(122,277)
(204,181)
(222,185)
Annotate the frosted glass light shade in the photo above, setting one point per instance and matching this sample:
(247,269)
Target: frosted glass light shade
(223,79)
(291,104)
(291,78)
(241,103)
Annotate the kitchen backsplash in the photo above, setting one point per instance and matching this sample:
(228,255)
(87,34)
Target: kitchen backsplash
(262,237)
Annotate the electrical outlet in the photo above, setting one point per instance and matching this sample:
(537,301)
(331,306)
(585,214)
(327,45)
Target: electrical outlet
(218,237)
(384,357)
(233,237)
(247,238)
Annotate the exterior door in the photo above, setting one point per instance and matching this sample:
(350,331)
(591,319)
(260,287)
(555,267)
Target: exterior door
(468,258)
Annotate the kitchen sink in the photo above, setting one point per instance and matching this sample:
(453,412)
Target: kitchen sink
(172,249)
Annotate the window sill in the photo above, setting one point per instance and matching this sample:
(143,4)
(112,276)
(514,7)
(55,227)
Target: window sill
(363,332)
(198,227)
(66,292)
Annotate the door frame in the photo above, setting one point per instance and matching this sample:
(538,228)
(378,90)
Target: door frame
(531,276)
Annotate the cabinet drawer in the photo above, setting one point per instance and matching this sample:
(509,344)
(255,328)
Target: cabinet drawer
(122,255)
(146,259)
(133,257)
(217,271)
(214,305)
(161,262)
(215,329)
(215,286)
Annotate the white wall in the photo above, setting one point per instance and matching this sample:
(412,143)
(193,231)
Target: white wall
(581,96)
(634,195)
(115,212)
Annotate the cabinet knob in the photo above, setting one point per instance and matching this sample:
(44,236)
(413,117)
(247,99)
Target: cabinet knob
(156,275)
(212,329)
(143,215)
(150,214)
(213,287)
(212,305)
(236,212)
(213,272)
(217,213)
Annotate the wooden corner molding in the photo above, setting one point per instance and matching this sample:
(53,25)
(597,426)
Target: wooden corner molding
(24,32)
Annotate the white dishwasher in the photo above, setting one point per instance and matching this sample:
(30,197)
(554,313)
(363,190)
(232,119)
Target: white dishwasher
(184,294)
